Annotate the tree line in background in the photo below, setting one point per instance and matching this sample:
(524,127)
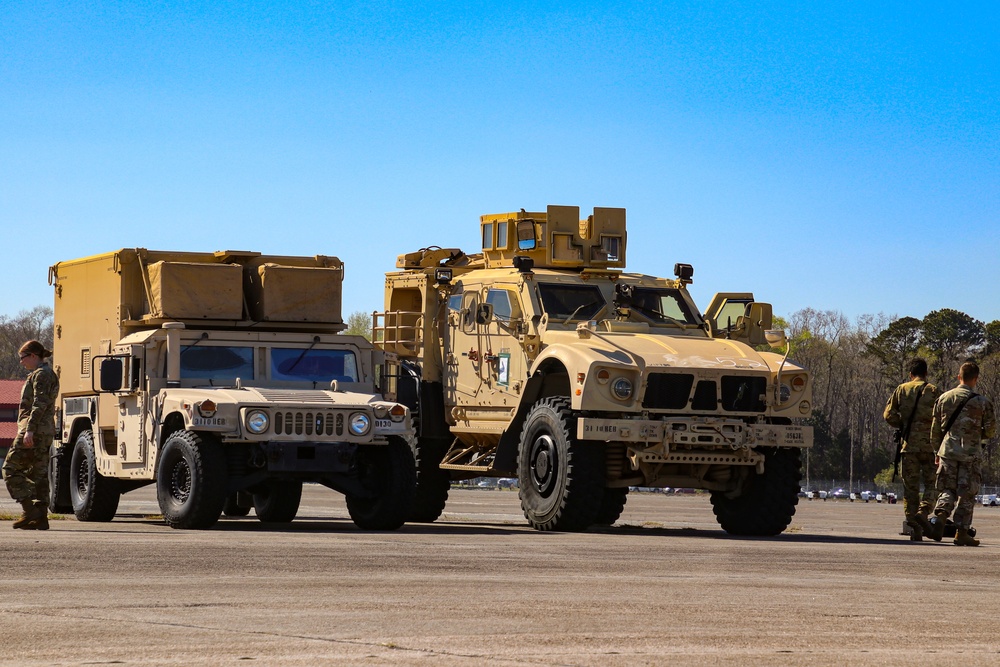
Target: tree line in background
(854,365)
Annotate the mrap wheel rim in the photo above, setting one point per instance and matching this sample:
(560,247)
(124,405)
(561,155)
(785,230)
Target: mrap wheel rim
(543,460)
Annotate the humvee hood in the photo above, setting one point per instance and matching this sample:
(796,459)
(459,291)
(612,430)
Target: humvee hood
(296,397)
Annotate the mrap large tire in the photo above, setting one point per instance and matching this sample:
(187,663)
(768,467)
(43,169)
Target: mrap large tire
(94,496)
(433,483)
(191,480)
(561,480)
(768,501)
(388,474)
(612,506)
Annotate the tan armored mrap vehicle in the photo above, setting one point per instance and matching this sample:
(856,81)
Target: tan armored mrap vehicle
(222,378)
(541,358)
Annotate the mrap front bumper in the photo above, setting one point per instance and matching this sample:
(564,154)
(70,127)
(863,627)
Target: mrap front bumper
(697,440)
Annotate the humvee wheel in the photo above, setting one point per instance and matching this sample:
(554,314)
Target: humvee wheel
(612,506)
(191,480)
(767,504)
(94,496)
(561,480)
(389,473)
(232,506)
(277,500)
(433,483)
(60,501)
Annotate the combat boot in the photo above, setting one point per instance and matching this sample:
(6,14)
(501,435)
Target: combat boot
(937,526)
(37,518)
(27,514)
(963,539)
(916,530)
(924,524)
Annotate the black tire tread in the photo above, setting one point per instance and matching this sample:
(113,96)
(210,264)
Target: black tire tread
(583,492)
(394,477)
(101,501)
(208,462)
(767,505)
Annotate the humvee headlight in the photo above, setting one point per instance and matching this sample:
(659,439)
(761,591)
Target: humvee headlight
(397,413)
(257,421)
(360,424)
(603,376)
(622,388)
(784,393)
(381,412)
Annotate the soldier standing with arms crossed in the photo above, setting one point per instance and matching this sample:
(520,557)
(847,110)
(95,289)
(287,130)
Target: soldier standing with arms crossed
(910,410)
(963,421)
(26,469)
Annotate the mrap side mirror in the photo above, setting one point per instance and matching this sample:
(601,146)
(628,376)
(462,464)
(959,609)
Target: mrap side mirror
(484,313)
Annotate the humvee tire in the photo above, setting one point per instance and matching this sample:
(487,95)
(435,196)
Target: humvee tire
(612,506)
(191,480)
(59,498)
(767,504)
(233,507)
(389,473)
(94,496)
(433,483)
(561,480)
(277,500)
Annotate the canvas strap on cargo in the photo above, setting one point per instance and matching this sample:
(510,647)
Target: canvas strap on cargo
(954,415)
(901,435)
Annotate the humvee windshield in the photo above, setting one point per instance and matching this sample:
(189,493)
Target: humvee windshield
(313,365)
(216,362)
(571,302)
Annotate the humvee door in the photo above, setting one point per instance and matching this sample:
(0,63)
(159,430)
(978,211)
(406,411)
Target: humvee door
(737,316)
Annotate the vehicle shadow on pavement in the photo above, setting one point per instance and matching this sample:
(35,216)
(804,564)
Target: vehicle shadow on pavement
(791,538)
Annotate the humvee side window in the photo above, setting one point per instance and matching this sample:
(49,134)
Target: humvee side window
(578,302)
(216,362)
(313,365)
(504,307)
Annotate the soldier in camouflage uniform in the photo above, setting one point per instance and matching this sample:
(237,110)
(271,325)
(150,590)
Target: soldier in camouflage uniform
(26,467)
(960,453)
(915,398)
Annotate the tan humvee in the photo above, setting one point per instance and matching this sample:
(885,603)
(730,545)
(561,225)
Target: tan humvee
(540,357)
(222,378)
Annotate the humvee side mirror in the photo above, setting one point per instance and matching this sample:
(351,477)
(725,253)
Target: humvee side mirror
(111,374)
(526,234)
(484,313)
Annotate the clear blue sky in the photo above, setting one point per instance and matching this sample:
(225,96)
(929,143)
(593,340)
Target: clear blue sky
(839,156)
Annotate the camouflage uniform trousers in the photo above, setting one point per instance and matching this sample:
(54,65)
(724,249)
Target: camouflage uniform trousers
(958,482)
(26,471)
(918,468)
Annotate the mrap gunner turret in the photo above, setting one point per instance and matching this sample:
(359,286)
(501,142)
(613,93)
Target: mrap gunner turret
(542,358)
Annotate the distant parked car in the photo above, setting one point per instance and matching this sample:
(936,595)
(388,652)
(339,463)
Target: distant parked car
(990,500)
(839,494)
(507,482)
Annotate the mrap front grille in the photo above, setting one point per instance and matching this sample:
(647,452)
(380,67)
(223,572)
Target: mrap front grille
(678,391)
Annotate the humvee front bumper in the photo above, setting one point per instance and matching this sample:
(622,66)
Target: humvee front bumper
(694,432)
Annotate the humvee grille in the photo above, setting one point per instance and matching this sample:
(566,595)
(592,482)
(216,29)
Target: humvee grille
(300,422)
